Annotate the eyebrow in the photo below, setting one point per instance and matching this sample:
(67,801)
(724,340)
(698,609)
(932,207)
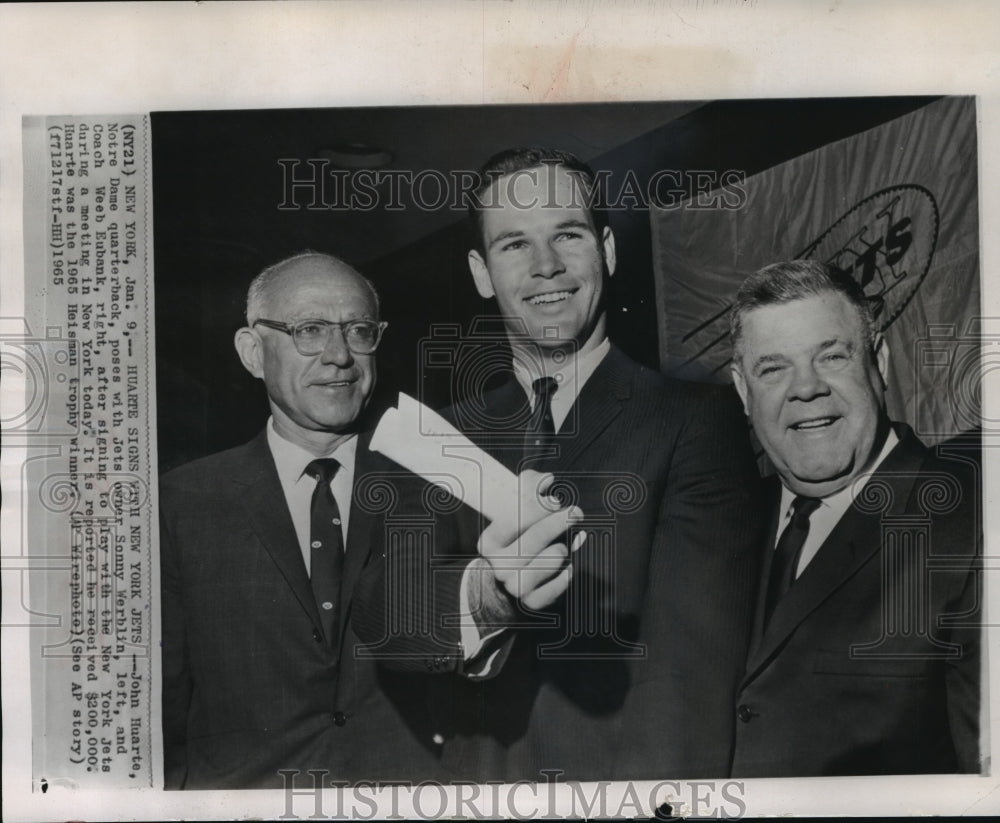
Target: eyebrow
(507,235)
(826,344)
(572,223)
(768,358)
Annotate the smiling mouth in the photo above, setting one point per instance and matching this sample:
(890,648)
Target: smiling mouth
(550,297)
(335,384)
(814,424)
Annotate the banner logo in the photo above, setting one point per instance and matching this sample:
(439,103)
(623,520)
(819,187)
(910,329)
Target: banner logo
(886,242)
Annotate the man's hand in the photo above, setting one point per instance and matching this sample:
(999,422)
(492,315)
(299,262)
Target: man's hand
(523,559)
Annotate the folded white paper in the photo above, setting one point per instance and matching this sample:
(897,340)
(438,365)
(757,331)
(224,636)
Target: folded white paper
(423,442)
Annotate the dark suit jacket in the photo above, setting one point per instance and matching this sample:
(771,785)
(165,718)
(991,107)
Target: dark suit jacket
(249,684)
(870,664)
(633,673)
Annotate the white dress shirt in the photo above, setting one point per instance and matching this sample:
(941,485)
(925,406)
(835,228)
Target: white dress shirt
(831,509)
(291,460)
(570,380)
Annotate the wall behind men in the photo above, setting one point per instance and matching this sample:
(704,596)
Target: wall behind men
(219,184)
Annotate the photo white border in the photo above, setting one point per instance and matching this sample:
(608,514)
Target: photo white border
(139,57)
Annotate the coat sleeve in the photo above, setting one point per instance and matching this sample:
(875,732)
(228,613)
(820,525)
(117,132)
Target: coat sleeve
(962,682)
(406,601)
(964,675)
(698,607)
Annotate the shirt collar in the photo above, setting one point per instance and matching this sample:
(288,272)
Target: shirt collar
(571,377)
(290,459)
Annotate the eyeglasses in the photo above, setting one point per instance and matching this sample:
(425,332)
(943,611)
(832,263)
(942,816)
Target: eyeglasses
(312,336)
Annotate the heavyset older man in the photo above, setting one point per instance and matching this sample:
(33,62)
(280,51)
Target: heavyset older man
(865,649)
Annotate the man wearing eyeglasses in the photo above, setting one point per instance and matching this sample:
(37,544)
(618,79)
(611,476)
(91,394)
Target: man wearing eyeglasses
(260,548)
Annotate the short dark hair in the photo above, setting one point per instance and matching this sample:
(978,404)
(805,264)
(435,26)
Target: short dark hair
(511,161)
(795,280)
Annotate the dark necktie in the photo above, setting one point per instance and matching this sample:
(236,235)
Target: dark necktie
(787,552)
(540,427)
(326,541)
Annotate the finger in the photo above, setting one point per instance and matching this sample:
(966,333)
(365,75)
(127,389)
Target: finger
(519,575)
(499,538)
(550,591)
(530,510)
(579,540)
(535,502)
(535,537)
(536,481)
(522,580)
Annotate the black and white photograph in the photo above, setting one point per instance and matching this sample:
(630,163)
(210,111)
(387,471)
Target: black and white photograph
(627,653)
(580,452)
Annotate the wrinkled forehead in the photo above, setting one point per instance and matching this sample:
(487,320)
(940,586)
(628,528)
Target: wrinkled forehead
(802,322)
(319,284)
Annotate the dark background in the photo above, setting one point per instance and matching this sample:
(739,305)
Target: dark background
(217,185)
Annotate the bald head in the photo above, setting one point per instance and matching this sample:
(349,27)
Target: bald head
(316,398)
(307,266)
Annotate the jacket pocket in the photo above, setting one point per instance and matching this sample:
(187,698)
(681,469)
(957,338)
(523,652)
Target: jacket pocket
(853,664)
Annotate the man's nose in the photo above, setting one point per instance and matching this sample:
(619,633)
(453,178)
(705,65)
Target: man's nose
(336,351)
(547,262)
(807,384)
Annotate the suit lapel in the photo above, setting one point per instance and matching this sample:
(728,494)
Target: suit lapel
(259,491)
(772,500)
(849,546)
(600,401)
(361,528)
(506,413)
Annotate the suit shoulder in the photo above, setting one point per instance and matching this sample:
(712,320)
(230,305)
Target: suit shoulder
(699,398)
(205,472)
(957,464)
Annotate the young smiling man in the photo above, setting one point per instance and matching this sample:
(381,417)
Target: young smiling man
(865,655)
(631,673)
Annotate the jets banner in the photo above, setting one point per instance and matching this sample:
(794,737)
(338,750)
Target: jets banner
(897,207)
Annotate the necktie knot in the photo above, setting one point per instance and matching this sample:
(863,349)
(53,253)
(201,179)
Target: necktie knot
(322,469)
(787,552)
(802,509)
(540,425)
(544,388)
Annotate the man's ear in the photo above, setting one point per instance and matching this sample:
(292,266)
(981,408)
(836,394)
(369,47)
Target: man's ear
(249,348)
(480,274)
(741,385)
(881,349)
(608,241)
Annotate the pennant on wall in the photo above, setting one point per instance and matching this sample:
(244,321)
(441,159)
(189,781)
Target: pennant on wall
(896,206)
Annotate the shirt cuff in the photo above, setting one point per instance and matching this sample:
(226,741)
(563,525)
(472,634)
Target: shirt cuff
(472,642)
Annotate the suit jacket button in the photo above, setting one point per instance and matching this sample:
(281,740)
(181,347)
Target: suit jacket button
(317,636)
(744,712)
(339,718)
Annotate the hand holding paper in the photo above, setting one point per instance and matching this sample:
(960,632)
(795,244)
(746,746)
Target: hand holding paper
(519,543)
(525,559)
(420,440)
